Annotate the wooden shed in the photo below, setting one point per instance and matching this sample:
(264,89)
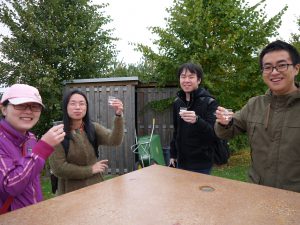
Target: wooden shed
(138,117)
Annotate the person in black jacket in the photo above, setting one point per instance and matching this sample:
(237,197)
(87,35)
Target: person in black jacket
(193,133)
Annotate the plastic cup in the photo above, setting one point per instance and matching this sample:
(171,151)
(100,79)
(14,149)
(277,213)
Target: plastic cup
(182,109)
(228,114)
(111,99)
(55,123)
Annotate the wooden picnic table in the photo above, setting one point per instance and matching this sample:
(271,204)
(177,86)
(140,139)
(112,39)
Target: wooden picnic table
(164,196)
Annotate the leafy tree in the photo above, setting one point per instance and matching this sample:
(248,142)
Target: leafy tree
(225,37)
(295,39)
(143,70)
(53,41)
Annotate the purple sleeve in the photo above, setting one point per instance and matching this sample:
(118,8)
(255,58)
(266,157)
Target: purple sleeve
(17,173)
(43,149)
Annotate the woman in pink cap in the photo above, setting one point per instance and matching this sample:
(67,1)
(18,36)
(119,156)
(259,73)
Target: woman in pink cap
(22,157)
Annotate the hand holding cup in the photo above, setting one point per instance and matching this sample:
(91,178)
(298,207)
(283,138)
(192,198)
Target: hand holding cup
(187,116)
(116,104)
(54,135)
(223,115)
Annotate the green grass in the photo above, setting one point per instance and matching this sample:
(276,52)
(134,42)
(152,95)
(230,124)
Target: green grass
(236,170)
(237,167)
(46,188)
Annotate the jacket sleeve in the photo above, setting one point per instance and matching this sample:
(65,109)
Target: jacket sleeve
(109,137)
(16,174)
(206,124)
(173,150)
(238,124)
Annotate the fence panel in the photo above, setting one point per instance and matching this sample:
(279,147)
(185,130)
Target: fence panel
(163,120)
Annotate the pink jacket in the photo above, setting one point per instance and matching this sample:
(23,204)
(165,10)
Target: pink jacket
(20,175)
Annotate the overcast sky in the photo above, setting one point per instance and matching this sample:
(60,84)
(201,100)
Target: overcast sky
(131,18)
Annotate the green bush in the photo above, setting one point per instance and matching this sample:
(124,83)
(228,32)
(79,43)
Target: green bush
(238,143)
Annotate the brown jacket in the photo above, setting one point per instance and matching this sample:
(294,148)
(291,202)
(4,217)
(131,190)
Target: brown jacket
(272,124)
(75,170)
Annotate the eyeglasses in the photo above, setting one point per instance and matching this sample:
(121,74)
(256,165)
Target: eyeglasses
(32,107)
(279,68)
(189,76)
(74,104)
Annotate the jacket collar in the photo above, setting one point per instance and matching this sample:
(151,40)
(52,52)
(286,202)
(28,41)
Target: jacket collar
(281,101)
(284,99)
(199,92)
(12,134)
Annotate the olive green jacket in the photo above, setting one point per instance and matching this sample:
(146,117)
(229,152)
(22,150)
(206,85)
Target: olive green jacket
(75,170)
(272,124)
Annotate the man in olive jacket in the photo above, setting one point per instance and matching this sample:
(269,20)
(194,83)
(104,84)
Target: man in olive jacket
(271,121)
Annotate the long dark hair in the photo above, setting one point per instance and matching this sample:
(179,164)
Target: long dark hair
(4,104)
(88,125)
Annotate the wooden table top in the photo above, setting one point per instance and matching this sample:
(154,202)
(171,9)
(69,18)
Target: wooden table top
(167,196)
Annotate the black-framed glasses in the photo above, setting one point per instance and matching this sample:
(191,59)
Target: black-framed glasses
(33,107)
(279,68)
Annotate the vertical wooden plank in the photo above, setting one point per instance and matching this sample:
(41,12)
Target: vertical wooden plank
(103,118)
(130,128)
(141,101)
(93,101)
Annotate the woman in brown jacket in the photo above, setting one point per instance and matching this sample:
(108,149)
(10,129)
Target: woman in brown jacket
(75,161)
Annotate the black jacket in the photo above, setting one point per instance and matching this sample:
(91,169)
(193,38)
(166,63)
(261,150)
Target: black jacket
(191,143)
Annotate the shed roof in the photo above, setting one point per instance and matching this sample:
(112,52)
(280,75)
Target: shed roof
(103,80)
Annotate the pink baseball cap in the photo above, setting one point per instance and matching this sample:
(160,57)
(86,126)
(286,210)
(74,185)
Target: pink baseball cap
(21,93)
